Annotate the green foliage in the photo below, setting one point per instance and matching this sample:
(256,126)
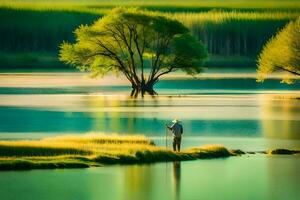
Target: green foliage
(126,40)
(191,51)
(234,33)
(32,31)
(30,60)
(282,52)
(228,29)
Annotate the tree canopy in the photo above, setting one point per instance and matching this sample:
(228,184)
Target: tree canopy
(282,52)
(141,45)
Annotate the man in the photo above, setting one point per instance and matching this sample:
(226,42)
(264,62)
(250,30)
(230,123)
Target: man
(177,131)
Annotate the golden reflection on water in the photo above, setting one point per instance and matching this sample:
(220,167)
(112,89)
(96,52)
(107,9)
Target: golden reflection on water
(114,123)
(144,180)
(139,182)
(281,117)
(283,177)
(279,114)
(275,116)
(99,116)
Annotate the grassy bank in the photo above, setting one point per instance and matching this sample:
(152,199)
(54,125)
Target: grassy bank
(97,150)
(229,29)
(94,150)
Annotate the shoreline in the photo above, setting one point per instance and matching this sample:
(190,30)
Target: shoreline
(95,150)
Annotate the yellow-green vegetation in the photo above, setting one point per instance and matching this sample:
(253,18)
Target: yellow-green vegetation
(282,52)
(162,5)
(236,28)
(94,150)
(234,32)
(130,40)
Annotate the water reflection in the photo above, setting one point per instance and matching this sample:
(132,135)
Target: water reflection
(202,115)
(146,181)
(177,178)
(281,116)
(139,182)
(26,120)
(283,177)
(253,177)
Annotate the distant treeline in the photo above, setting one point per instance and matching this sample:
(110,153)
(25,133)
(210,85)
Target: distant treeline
(234,33)
(38,31)
(230,34)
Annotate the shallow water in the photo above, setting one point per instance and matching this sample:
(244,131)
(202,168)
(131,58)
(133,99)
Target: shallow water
(217,110)
(238,113)
(247,178)
(207,107)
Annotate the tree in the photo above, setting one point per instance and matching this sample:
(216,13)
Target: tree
(282,52)
(141,45)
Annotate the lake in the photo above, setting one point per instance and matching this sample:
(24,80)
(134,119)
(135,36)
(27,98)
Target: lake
(230,109)
(247,178)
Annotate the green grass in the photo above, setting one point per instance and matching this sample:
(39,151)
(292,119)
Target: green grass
(95,150)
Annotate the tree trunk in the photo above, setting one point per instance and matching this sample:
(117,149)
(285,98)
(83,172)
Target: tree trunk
(142,89)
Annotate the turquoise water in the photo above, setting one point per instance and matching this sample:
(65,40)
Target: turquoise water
(207,107)
(247,178)
(238,113)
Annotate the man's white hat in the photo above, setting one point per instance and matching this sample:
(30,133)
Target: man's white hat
(175,120)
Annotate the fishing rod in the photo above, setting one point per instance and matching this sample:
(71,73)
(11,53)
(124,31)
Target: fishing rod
(166,143)
(166,127)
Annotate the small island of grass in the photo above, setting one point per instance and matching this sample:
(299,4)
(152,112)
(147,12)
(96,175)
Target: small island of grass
(97,150)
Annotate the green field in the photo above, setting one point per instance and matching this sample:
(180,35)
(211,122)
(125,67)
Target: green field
(233,31)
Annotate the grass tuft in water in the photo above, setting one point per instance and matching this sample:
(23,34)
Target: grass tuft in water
(283,152)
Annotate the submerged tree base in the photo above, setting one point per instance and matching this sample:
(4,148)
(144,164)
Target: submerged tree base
(98,150)
(142,90)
